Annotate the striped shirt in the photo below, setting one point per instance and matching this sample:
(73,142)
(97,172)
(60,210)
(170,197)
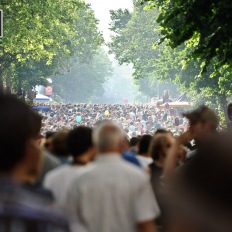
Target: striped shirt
(112,197)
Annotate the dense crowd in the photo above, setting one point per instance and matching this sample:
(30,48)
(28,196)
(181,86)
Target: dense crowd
(113,168)
(133,119)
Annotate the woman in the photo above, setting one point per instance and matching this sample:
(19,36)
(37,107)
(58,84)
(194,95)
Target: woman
(159,148)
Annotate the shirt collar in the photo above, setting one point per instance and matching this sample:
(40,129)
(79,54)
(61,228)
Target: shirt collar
(108,157)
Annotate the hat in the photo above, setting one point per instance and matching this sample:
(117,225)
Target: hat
(202,114)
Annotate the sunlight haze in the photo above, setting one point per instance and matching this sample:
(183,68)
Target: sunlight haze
(102,8)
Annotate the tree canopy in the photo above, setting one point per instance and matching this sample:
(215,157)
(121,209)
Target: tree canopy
(204,25)
(84,82)
(49,32)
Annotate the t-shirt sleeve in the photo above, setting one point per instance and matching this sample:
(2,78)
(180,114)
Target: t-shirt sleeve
(146,206)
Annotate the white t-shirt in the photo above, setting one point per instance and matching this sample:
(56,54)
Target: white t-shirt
(145,161)
(113,196)
(59,179)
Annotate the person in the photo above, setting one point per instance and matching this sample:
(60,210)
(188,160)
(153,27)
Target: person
(166,97)
(22,205)
(129,155)
(79,143)
(49,161)
(114,195)
(143,153)
(159,148)
(48,141)
(203,123)
(134,144)
(201,191)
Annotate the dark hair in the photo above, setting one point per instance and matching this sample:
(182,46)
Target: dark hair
(161,131)
(49,134)
(144,144)
(59,143)
(134,141)
(79,140)
(18,124)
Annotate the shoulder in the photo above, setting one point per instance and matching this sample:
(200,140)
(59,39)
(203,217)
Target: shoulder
(51,159)
(55,173)
(133,171)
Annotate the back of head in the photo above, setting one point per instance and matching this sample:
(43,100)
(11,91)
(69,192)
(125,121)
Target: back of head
(49,134)
(79,141)
(134,141)
(158,145)
(161,131)
(18,124)
(59,143)
(144,144)
(203,114)
(108,137)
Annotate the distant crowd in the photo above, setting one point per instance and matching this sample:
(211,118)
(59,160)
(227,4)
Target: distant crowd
(133,119)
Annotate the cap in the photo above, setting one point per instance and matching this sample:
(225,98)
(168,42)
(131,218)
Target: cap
(203,114)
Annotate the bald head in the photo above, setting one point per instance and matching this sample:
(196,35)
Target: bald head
(108,137)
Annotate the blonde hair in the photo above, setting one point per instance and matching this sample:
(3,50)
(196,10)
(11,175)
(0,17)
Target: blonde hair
(157,145)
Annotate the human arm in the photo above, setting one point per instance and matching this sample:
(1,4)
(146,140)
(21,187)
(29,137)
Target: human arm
(148,226)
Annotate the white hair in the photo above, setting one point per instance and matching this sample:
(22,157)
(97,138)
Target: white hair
(107,135)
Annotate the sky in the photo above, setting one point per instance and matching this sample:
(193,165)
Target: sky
(102,8)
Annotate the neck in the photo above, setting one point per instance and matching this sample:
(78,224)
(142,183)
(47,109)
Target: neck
(21,176)
(159,163)
(145,155)
(110,151)
(81,160)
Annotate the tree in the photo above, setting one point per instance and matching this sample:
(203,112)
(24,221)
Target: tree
(45,30)
(133,39)
(160,61)
(204,25)
(132,43)
(85,81)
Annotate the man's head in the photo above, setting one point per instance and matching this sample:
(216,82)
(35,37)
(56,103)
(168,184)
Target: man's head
(48,142)
(59,143)
(80,142)
(134,142)
(18,137)
(144,144)
(203,121)
(108,137)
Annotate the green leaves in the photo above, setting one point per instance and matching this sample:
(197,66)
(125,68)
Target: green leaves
(205,24)
(85,82)
(46,34)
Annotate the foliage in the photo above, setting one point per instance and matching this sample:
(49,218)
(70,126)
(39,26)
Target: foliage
(85,81)
(133,39)
(174,60)
(132,43)
(204,25)
(46,33)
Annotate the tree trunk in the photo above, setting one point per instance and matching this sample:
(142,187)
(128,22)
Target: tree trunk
(31,96)
(1,80)
(224,105)
(19,92)
(8,82)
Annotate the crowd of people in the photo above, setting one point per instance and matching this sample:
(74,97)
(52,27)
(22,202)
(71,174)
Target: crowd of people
(113,168)
(133,119)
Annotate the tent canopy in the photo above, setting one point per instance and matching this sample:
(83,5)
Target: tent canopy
(41,97)
(176,105)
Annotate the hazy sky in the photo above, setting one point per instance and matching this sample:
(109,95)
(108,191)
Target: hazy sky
(102,8)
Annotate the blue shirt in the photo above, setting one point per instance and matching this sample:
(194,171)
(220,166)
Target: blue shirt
(130,157)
